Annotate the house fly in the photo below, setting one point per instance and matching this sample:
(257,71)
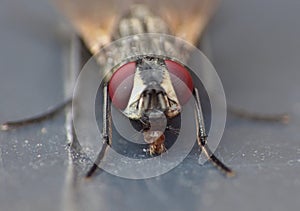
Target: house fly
(152,96)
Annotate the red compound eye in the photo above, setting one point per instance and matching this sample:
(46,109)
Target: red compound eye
(182,81)
(120,85)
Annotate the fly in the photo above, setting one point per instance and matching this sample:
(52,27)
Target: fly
(151,98)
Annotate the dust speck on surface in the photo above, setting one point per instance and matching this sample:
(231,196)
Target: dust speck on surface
(43,130)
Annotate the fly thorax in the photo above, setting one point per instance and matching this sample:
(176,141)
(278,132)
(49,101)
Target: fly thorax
(139,19)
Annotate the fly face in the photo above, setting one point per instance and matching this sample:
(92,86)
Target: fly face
(152,90)
(152,99)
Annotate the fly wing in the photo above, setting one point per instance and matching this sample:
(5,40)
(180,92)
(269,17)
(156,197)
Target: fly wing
(94,19)
(188,19)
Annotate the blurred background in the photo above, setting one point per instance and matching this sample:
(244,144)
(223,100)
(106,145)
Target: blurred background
(254,47)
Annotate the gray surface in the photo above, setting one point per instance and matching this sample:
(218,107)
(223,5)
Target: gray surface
(255,48)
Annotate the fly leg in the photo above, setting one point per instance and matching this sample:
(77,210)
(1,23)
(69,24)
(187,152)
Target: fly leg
(202,138)
(106,133)
(36,119)
(283,118)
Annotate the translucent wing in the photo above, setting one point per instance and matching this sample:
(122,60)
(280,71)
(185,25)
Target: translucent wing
(94,19)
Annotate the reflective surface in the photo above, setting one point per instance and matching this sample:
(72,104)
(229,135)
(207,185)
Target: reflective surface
(254,47)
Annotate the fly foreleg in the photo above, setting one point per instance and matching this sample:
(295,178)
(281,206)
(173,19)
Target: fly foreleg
(106,132)
(202,138)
